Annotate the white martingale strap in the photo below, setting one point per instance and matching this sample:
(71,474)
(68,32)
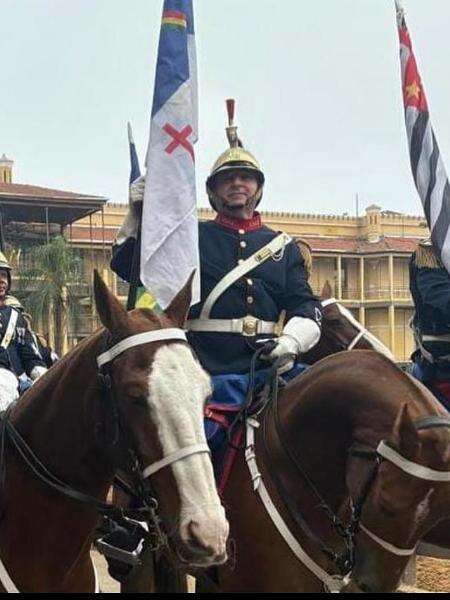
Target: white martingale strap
(386,545)
(411,468)
(139,339)
(6,580)
(258,258)
(333,583)
(175,457)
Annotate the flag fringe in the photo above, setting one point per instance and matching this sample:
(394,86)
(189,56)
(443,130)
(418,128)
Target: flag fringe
(425,257)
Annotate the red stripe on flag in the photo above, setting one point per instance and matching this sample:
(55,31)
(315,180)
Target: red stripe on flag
(174,14)
(413,92)
(405,38)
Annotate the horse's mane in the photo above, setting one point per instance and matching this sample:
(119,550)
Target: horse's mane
(375,364)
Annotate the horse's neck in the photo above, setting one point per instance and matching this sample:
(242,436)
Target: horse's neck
(338,403)
(319,439)
(58,417)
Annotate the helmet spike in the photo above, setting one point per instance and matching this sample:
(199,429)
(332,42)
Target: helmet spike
(231,105)
(232,136)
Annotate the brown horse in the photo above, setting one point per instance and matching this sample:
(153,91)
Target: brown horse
(341,331)
(129,396)
(316,453)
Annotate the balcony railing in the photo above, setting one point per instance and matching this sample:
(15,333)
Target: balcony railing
(377,293)
(351,293)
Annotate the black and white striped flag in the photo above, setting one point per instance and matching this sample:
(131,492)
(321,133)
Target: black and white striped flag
(427,166)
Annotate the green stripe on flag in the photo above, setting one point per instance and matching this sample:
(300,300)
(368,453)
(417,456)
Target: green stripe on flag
(145,299)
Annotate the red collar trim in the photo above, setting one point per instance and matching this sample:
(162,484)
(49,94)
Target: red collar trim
(246,224)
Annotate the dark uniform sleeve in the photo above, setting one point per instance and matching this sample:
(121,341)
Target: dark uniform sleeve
(122,258)
(298,299)
(26,348)
(434,288)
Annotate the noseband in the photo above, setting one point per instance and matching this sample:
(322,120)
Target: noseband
(387,453)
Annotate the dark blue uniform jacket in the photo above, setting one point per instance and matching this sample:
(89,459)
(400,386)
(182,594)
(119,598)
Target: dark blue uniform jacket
(430,289)
(274,286)
(21,353)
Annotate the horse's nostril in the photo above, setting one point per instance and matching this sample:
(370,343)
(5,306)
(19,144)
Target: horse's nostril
(195,540)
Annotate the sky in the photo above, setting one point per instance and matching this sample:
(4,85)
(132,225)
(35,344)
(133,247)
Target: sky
(317,86)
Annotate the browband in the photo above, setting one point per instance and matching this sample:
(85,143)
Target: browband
(139,339)
(411,468)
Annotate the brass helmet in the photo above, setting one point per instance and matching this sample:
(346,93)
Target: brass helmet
(5,266)
(235,157)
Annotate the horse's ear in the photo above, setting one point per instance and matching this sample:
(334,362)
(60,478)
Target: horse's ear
(111,312)
(327,291)
(179,307)
(406,435)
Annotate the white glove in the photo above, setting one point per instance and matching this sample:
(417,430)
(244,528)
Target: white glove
(37,372)
(130,224)
(299,336)
(137,189)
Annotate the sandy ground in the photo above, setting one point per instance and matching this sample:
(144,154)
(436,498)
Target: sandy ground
(432,576)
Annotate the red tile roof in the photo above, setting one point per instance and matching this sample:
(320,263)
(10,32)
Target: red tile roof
(17,189)
(357,246)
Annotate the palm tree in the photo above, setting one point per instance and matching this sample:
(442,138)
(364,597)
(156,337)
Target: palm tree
(46,288)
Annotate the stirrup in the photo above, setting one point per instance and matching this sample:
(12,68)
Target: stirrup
(123,544)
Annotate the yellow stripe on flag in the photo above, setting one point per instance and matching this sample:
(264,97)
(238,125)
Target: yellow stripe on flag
(146,300)
(173,21)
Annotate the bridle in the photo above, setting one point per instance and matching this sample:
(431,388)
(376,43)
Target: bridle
(104,361)
(385,452)
(155,537)
(344,562)
(363,333)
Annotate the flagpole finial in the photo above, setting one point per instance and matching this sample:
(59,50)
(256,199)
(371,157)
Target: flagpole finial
(400,11)
(232,129)
(130,133)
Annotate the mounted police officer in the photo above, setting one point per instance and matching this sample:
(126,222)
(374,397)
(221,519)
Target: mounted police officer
(253,280)
(430,289)
(254,287)
(15,341)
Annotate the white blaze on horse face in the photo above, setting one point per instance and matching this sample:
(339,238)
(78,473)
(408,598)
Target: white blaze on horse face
(178,388)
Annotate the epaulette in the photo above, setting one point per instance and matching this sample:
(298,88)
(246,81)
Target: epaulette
(425,256)
(306,252)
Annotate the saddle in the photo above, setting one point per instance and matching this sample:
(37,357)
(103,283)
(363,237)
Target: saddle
(225,422)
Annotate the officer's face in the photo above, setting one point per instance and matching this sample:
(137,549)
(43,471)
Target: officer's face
(3,283)
(234,189)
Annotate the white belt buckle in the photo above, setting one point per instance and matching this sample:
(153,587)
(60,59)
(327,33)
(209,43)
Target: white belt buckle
(250,326)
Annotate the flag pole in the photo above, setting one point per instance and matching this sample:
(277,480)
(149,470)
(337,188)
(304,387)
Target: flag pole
(135,173)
